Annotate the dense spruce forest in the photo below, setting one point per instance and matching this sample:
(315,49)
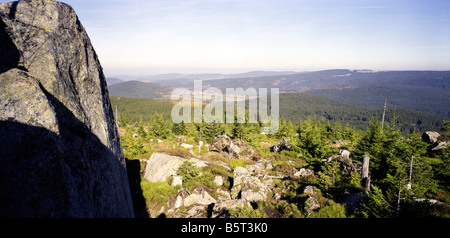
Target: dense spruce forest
(417,98)
(296,107)
(407,177)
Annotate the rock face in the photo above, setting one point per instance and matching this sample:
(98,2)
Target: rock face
(60,152)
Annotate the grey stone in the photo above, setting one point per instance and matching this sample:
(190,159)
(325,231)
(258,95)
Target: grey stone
(232,148)
(304,172)
(311,205)
(185,199)
(218,180)
(177,181)
(430,136)
(223,195)
(310,190)
(221,210)
(441,146)
(186,146)
(200,197)
(283,145)
(344,153)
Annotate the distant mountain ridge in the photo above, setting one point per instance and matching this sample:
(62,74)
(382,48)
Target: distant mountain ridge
(111,81)
(175,77)
(137,89)
(341,78)
(425,91)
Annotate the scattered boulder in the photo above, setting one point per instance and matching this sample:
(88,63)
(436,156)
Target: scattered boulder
(441,146)
(232,148)
(199,196)
(177,180)
(224,144)
(221,210)
(223,195)
(246,151)
(183,198)
(304,172)
(186,146)
(438,141)
(310,190)
(178,200)
(345,154)
(269,166)
(253,195)
(197,212)
(218,180)
(181,139)
(311,205)
(430,136)
(257,169)
(346,164)
(283,145)
(249,187)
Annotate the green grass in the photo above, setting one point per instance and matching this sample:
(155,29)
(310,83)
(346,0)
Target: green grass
(157,195)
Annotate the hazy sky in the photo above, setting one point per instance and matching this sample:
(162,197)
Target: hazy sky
(227,36)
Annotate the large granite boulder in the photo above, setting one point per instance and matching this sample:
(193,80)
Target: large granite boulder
(161,166)
(60,152)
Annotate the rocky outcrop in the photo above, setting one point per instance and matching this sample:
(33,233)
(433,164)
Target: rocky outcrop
(430,136)
(250,185)
(283,145)
(438,141)
(199,196)
(304,172)
(346,164)
(232,148)
(60,153)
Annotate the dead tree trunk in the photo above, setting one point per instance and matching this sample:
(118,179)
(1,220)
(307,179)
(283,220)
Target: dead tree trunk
(410,173)
(365,172)
(384,114)
(399,197)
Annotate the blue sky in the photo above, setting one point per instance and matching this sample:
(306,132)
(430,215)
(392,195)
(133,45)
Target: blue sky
(226,36)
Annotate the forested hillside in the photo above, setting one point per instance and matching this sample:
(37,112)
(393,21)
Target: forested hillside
(298,107)
(418,98)
(424,91)
(341,78)
(310,169)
